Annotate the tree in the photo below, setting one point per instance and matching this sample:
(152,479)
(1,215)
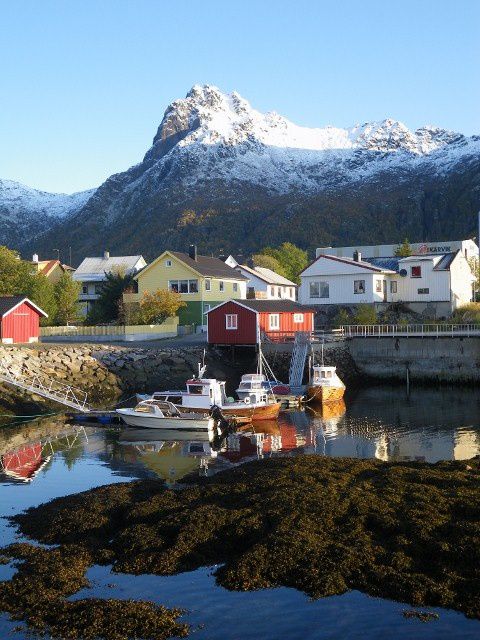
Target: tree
(268,262)
(291,258)
(106,307)
(66,292)
(16,275)
(342,318)
(156,307)
(41,291)
(404,250)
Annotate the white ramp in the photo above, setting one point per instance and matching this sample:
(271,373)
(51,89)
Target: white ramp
(299,356)
(47,388)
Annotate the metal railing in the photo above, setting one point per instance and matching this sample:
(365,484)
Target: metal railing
(413,330)
(52,389)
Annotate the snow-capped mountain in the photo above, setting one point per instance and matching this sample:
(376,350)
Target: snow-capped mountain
(227,176)
(25,212)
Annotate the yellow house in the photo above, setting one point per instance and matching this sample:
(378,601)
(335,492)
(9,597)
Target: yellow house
(51,269)
(202,281)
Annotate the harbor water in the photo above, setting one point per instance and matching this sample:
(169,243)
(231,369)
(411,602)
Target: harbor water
(381,422)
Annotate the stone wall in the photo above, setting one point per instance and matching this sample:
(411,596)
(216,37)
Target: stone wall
(105,372)
(429,359)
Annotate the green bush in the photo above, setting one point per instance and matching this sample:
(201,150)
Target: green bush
(365,314)
(468,314)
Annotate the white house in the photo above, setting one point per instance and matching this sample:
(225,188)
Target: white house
(92,273)
(419,281)
(264,283)
(467,247)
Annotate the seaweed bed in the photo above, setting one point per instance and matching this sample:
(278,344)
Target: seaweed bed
(406,531)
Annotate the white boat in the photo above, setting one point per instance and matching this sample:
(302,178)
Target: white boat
(160,414)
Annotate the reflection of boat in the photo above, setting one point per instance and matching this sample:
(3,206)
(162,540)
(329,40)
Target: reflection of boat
(329,410)
(269,427)
(157,414)
(171,456)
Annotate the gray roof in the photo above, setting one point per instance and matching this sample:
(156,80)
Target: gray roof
(7,303)
(95,268)
(445,261)
(208,266)
(268,276)
(273,305)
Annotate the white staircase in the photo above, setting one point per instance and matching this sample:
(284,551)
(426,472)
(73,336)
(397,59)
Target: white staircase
(299,356)
(47,388)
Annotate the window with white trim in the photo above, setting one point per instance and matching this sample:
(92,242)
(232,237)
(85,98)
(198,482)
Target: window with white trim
(231,321)
(274,321)
(297,318)
(221,285)
(416,272)
(168,263)
(378,286)
(206,308)
(183,286)
(208,284)
(235,287)
(393,286)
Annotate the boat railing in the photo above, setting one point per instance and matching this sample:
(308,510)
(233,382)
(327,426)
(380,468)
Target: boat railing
(319,335)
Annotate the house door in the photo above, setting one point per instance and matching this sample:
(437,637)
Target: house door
(384,290)
(20,328)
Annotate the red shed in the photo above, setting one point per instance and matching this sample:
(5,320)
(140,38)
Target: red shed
(19,319)
(241,321)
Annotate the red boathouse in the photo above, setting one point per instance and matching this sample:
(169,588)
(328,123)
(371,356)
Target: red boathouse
(240,322)
(19,319)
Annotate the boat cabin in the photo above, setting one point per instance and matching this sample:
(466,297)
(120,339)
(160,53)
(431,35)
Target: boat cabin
(325,376)
(201,393)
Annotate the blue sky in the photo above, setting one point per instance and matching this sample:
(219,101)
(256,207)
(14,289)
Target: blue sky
(84,83)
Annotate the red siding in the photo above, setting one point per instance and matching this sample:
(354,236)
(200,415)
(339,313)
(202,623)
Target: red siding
(246,332)
(286,322)
(21,324)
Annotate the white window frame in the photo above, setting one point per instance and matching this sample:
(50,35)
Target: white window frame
(206,308)
(298,318)
(168,263)
(416,266)
(378,286)
(221,285)
(231,321)
(183,293)
(274,321)
(393,286)
(208,284)
(235,287)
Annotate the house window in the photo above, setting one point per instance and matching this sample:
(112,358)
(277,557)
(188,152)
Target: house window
(98,289)
(274,321)
(297,318)
(319,290)
(183,286)
(423,291)
(206,308)
(221,285)
(272,291)
(85,289)
(291,293)
(359,286)
(235,286)
(279,292)
(208,284)
(168,263)
(393,286)
(416,272)
(378,286)
(231,320)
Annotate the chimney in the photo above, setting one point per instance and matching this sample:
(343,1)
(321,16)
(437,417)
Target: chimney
(35,257)
(192,251)
(106,255)
(357,256)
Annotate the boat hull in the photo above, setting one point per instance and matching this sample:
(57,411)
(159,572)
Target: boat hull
(147,421)
(324,394)
(263,412)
